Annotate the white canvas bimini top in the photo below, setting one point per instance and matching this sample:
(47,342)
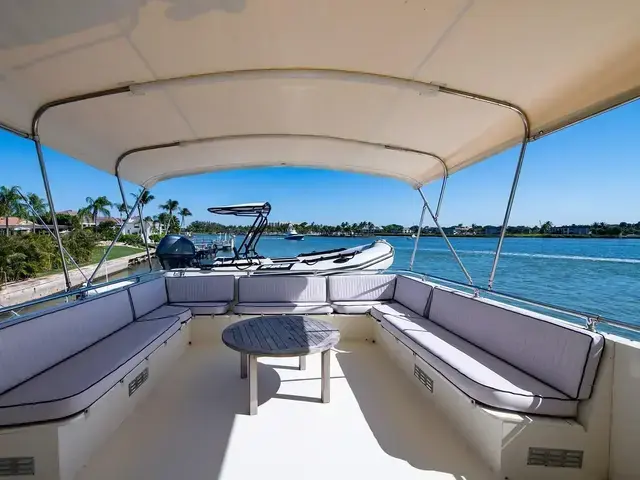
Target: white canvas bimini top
(358,85)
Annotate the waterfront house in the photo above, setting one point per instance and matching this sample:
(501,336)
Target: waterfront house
(571,230)
(491,230)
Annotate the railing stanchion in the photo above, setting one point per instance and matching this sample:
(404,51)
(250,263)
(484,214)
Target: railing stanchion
(446,239)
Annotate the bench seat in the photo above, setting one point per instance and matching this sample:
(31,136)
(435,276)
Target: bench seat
(393,308)
(205,308)
(480,375)
(354,307)
(74,384)
(168,311)
(275,308)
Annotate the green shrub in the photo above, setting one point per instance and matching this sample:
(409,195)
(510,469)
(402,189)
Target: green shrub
(107,230)
(155,238)
(80,244)
(132,239)
(24,256)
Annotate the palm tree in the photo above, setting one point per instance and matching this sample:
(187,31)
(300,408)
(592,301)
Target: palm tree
(170,206)
(184,212)
(9,204)
(164,219)
(546,227)
(122,209)
(145,200)
(94,207)
(38,207)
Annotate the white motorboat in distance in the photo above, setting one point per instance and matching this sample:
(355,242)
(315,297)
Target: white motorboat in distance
(292,234)
(177,252)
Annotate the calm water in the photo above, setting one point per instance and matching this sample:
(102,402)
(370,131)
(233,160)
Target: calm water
(600,276)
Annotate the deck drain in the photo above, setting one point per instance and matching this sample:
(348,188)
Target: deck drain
(137,382)
(423,377)
(554,457)
(17,466)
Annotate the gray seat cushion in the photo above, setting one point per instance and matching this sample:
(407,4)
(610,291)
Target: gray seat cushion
(33,343)
(147,296)
(412,293)
(356,307)
(480,375)
(275,308)
(558,353)
(76,383)
(282,289)
(205,308)
(167,311)
(361,287)
(393,308)
(200,288)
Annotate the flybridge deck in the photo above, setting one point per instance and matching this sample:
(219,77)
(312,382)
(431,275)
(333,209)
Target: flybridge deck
(413,90)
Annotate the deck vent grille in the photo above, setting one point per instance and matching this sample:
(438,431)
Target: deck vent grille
(552,457)
(17,466)
(137,382)
(423,377)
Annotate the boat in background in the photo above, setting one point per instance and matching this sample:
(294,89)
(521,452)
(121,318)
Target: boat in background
(292,234)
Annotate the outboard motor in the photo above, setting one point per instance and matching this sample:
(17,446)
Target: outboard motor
(175,251)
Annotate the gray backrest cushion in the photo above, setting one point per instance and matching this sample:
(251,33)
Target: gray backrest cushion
(361,287)
(32,344)
(148,296)
(412,293)
(559,354)
(200,288)
(279,288)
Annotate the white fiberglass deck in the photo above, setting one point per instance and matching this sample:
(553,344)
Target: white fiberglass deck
(194,424)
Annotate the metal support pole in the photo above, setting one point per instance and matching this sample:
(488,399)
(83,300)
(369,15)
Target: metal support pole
(415,243)
(444,184)
(144,232)
(507,214)
(52,209)
(106,254)
(453,251)
(144,236)
(44,224)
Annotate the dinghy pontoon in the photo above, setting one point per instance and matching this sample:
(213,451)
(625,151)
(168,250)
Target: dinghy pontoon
(375,256)
(433,378)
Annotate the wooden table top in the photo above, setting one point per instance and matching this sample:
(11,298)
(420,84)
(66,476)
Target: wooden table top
(280,336)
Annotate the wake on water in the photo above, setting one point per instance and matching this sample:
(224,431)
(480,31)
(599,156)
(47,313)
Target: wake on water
(538,255)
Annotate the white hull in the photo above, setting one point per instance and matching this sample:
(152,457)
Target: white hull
(374,256)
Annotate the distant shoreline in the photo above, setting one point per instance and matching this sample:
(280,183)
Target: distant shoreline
(510,235)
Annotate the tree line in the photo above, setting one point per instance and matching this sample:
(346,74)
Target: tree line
(29,254)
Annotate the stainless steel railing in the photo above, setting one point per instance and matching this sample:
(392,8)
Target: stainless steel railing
(74,294)
(591,320)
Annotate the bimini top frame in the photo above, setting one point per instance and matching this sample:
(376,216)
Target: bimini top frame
(362,102)
(260,211)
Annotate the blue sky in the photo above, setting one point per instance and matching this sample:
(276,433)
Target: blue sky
(586,173)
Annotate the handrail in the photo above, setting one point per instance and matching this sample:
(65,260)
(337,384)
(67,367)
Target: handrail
(74,293)
(590,319)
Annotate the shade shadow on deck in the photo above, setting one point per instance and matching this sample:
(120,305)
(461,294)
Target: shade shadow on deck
(194,424)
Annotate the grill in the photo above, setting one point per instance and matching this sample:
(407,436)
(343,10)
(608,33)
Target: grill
(17,466)
(423,377)
(553,457)
(137,382)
